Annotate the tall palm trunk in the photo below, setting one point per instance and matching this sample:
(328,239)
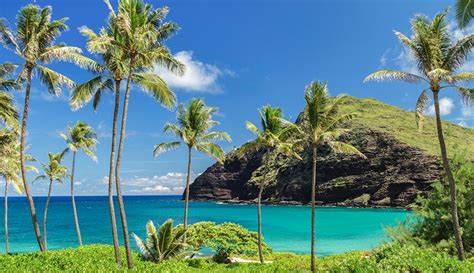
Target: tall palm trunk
(123,216)
(113,222)
(46,214)
(313,204)
(259,208)
(24,122)
(7,248)
(76,220)
(186,194)
(449,174)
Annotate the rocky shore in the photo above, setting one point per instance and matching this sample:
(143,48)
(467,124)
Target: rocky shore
(393,175)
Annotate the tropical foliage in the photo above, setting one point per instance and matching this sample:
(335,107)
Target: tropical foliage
(162,244)
(432,225)
(225,240)
(438,58)
(389,258)
(193,126)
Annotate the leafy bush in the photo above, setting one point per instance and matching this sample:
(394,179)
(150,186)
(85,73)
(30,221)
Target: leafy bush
(161,245)
(100,258)
(225,239)
(432,225)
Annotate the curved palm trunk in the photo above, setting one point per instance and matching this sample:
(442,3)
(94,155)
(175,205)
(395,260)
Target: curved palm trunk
(7,248)
(313,204)
(113,221)
(24,122)
(46,214)
(449,174)
(259,208)
(123,216)
(73,201)
(186,194)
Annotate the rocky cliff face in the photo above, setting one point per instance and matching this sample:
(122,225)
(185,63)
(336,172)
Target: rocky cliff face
(392,175)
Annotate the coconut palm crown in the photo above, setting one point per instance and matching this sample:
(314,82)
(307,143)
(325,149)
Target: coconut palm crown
(438,59)
(323,122)
(81,137)
(193,126)
(274,135)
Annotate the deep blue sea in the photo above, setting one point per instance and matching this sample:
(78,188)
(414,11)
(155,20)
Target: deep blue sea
(285,228)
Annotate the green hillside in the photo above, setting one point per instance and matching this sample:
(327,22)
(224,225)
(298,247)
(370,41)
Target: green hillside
(371,113)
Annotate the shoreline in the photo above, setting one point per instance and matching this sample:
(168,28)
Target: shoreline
(299,204)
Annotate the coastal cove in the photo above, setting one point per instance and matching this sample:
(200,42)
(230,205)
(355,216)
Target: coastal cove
(286,228)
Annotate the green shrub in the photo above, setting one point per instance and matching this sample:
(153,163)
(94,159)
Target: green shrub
(432,226)
(225,239)
(100,258)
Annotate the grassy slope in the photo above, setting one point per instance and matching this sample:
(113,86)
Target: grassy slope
(99,258)
(371,113)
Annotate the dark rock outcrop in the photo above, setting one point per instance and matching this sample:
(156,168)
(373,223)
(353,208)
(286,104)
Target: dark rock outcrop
(392,175)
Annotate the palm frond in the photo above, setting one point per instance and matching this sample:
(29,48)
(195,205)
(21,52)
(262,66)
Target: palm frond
(211,149)
(216,136)
(389,75)
(165,147)
(83,93)
(464,12)
(157,88)
(342,147)
(53,80)
(467,94)
(420,108)
(458,53)
(463,77)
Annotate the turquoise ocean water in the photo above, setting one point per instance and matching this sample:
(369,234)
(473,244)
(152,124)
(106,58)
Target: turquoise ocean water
(285,228)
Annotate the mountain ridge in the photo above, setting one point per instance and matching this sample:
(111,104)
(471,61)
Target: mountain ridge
(401,164)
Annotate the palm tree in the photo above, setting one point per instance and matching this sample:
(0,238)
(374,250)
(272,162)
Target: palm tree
(108,44)
(193,126)
(274,138)
(34,43)
(141,36)
(113,71)
(53,172)
(10,169)
(80,137)
(438,59)
(322,124)
(464,12)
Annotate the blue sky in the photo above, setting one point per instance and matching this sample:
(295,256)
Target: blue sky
(240,56)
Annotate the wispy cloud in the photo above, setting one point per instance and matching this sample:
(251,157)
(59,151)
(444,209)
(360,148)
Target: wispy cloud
(198,77)
(170,183)
(446,105)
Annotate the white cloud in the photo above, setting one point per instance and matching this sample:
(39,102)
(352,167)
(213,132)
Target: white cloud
(406,62)
(170,183)
(198,77)
(446,105)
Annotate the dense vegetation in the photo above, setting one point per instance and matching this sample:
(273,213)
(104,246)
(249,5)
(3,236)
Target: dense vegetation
(98,258)
(432,225)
